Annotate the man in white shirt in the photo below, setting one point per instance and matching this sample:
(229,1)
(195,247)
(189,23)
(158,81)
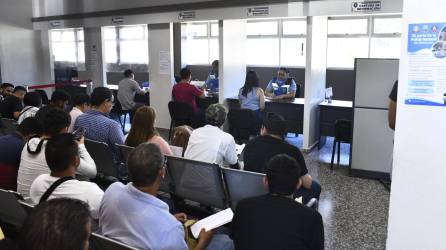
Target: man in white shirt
(33,162)
(127,89)
(32,101)
(62,156)
(81,104)
(210,143)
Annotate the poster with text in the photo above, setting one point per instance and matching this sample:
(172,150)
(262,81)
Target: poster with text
(427,64)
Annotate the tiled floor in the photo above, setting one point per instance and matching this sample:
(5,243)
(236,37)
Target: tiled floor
(354,210)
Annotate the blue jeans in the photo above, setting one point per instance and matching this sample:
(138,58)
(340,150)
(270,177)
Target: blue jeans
(220,241)
(307,194)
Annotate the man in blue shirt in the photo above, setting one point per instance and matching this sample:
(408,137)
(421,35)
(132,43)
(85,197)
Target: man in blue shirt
(276,87)
(99,127)
(134,215)
(212,80)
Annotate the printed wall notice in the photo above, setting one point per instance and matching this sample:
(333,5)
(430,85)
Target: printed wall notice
(427,64)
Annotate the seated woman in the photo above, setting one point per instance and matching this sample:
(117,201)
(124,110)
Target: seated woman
(181,136)
(251,96)
(143,130)
(281,87)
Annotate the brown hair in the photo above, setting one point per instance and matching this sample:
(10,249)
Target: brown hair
(181,136)
(142,126)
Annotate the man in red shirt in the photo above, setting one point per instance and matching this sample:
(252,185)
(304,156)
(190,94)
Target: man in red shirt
(186,92)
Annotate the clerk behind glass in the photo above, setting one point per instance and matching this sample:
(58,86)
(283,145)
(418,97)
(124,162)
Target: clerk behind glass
(277,87)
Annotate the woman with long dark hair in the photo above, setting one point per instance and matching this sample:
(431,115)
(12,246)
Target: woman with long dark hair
(143,130)
(251,96)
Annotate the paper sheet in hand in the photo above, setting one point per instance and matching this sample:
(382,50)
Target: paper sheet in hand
(239,148)
(212,222)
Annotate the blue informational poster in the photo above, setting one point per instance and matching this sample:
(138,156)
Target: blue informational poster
(427,64)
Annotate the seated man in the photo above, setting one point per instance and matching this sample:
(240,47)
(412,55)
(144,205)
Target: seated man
(212,80)
(127,90)
(186,92)
(276,87)
(275,220)
(6,90)
(33,102)
(59,100)
(11,147)
(62,156)
(57,224)
(81,104)
(33,162)
(134,215)
(210,143)
(270,143)
(12,106)
(97,123)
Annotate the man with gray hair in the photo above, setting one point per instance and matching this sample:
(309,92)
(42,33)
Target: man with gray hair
(210,143)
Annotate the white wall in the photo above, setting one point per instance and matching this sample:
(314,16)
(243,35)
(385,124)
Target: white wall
(417,205)
(20,46)
(161,42)
(315,75)
(232,61)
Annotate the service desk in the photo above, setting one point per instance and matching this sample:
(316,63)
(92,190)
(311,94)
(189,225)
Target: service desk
(291,109)
(329,113)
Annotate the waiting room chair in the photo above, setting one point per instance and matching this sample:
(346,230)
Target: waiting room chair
(243,184)
(180,114)
(125,151)
(342,134)
(103,157)
(99,242)
(119,112)
(8,126)
(242,124)
(197,181)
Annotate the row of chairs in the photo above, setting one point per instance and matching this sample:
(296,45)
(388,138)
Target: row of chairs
(13,213)
(205,183)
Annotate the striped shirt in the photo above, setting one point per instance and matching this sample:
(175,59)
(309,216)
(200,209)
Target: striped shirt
(101,128)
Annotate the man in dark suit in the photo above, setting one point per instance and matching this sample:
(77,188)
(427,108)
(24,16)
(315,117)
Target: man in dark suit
(275,220)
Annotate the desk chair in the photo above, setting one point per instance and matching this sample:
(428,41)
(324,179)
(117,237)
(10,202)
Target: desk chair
(8,126)
(242,124)
(103,157)
(118,111)
(99,242)
(197,181)
(243,184)
(180,114)
(342,134)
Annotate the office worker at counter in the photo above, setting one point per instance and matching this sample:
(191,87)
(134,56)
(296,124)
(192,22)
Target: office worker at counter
(274,89)
(212,79)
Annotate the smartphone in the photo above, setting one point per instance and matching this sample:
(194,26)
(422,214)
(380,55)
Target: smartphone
(79,133)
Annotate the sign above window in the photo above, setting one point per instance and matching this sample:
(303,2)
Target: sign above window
(366,6)
(258,11)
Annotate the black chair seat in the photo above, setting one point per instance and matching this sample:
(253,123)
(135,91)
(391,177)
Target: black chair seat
(342,134)
(242,124)
(180,114)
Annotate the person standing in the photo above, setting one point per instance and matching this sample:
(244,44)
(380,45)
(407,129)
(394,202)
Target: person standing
(13,104)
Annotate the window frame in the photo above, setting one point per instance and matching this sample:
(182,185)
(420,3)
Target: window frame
(369,35)
(208,37)
(78,64)
(279,35)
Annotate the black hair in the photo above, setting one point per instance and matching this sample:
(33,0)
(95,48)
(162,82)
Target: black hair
(251,81)
(283,173)
(60,152)
(32,99)
(128,73)
(60,96)
(215,62)
(284,69)
(19,88)
(275,124)
(7,85)
(54,121)
(81,99)
(58,224)
(185,73)
(30,127)
(100,95)
(144,163)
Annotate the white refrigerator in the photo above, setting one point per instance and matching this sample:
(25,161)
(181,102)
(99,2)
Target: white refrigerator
(372,145)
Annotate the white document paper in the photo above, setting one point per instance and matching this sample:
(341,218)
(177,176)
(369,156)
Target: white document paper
(239,148)
(212,222)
